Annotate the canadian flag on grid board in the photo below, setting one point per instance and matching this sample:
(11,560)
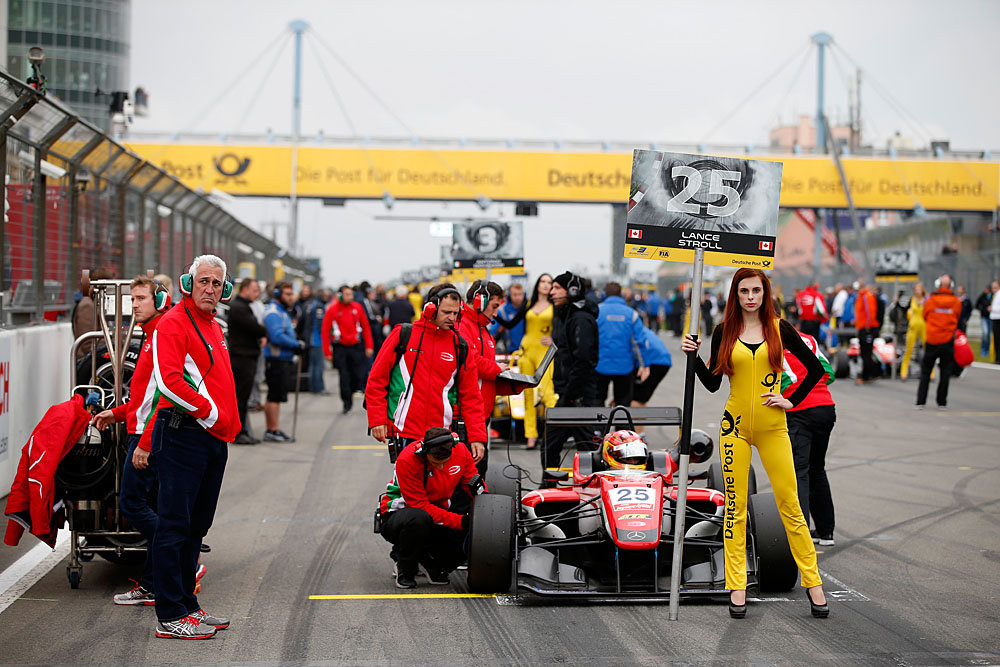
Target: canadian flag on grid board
(766,245)
(635,233)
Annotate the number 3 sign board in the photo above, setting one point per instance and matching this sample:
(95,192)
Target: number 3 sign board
(680,202)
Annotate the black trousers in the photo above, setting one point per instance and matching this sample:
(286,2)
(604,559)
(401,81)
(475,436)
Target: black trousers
(810,327)
(417,539)
(350,362)
(809,431)
(556,437)
(622,388)
(996,341)
(932,353)
(866,338)
(244,370)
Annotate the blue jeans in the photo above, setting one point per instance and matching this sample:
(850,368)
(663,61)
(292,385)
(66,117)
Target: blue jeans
(189,463)
(984,342)
(137,499)
(317,364)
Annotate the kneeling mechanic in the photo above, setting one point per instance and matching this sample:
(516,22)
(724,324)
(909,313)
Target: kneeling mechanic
(414,511)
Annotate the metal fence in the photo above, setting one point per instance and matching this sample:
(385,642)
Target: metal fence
(74,198)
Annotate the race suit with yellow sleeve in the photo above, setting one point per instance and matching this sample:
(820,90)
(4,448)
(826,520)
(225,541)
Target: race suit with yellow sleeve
(747,422)
(537,325)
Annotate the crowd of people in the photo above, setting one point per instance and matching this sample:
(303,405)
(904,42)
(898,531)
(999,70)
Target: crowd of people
(428,368)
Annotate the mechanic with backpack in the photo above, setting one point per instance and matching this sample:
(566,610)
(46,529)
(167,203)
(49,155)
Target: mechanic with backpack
(415,513)
(347,339)
(421,378)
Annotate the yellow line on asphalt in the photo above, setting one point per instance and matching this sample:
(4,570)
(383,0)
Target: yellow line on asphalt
(382,447)
(403,596)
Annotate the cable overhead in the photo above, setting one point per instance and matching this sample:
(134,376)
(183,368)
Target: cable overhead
(795,79)
(225,91)
(909,118)
(263,82)
(343,111)
(767,80)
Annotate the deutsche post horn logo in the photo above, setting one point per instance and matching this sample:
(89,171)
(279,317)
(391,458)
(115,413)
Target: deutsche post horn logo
(230,166)
(729,425)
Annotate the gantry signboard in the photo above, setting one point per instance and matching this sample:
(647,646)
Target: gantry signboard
(897,265)
(726,206)
(555,176)
(493,245)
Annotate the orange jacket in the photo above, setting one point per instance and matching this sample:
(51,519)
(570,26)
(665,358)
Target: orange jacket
(865,310)
(941,311)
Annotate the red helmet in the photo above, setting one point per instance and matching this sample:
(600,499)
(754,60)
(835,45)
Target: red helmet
(624,450)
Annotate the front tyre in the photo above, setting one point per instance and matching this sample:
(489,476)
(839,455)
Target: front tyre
(491,543)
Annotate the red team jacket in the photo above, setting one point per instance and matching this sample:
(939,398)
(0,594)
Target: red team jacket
(31,503)
(345,323)
(810,304)
(140,411)
(194,378)
(409,488)
(482,354)
(438,384)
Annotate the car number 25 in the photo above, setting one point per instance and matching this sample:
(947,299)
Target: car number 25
(631,494)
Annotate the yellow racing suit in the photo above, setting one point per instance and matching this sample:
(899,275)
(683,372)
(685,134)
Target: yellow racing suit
(536,326)
(916,328)
(747,422)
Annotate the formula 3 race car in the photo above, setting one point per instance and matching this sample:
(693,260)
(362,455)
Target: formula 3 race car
(609,534)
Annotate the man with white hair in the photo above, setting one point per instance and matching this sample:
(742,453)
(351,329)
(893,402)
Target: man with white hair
(197,418)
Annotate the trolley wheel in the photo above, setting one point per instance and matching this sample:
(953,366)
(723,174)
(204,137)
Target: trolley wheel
(74,574)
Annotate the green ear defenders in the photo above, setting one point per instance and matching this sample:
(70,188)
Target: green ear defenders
(186,284)
(161,297)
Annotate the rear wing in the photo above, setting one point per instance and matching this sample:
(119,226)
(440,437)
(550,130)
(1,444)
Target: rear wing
(623,417)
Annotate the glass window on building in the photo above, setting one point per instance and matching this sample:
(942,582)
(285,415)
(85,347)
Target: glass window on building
(15,13)
(88,20)
(47,16)
(75,18)
(15,65)
(62,17)
(101,16)
(102,76)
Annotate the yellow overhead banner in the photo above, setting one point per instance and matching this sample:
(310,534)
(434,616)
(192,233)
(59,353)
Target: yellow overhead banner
(354,173)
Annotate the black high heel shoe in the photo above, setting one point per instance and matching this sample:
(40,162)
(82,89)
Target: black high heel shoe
(818,610)
(737,610)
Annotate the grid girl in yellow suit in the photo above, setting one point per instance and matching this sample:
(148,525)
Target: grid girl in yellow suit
(915,327)
(537,315)
(747,346)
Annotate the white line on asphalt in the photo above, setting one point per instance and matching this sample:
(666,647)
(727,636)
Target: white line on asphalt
(29,568)
(986,366)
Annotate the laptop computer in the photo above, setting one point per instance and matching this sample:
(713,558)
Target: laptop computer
(531,380)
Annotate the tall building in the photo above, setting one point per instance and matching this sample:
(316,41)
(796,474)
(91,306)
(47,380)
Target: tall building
(87,48)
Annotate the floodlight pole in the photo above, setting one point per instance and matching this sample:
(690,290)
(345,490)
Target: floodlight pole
(684,448)
(297,26)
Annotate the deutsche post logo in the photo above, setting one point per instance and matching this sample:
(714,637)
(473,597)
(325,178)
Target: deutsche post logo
(230,166)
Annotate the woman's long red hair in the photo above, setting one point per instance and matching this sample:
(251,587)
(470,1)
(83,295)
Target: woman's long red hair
(732,323)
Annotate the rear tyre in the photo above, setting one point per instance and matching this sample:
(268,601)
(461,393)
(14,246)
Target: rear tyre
(717,482)
(841,366)
(501,480)
(776,571)
(491,544)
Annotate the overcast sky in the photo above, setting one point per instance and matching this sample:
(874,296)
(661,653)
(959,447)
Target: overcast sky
(630,71)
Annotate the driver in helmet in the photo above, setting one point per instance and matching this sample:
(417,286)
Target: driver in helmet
(624,450)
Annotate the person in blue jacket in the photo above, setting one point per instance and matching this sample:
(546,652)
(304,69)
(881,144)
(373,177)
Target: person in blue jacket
(619,329)
(507,312)
(653,305)
(279,358)
(651,365)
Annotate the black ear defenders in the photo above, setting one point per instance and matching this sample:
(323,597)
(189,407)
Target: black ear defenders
(161,297)
(186,284)
(430,308)
(437,446)
(480,297)
(575,288)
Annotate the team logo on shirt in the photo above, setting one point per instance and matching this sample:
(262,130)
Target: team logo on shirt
(447,356)
(454,470)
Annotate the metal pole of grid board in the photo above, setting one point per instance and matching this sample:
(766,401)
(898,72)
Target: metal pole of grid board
(684,448)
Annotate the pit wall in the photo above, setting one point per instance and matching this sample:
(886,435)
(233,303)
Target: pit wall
(34,375)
